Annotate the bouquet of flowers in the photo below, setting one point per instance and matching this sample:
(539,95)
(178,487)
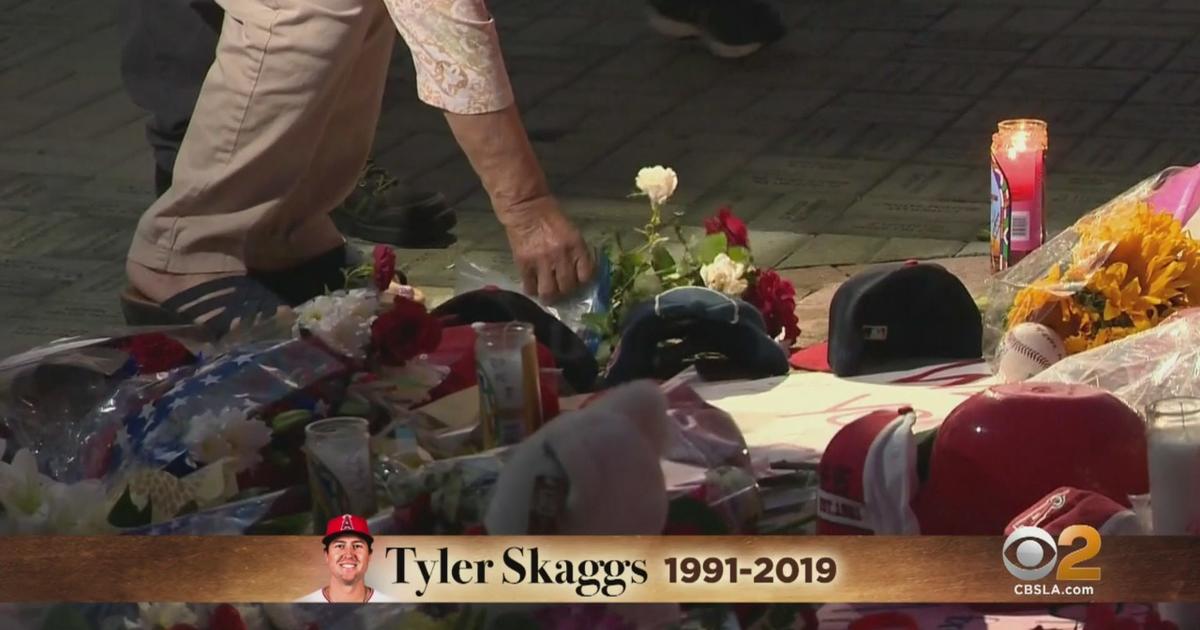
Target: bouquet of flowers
(1120,270)
(174,431)
(721,260)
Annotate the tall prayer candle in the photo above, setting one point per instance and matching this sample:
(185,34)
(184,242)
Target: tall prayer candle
(1174,460)
(1018,190)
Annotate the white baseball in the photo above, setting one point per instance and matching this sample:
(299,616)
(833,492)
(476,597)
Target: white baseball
(1027,350)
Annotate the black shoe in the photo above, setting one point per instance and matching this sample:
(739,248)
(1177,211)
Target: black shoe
(730,28)
(383,210)
(162,180)
(317,276)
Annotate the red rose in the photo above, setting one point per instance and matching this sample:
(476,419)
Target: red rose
(384,259)
(775,298)
(736,234)
(226,617)
(404,332)
(156,352)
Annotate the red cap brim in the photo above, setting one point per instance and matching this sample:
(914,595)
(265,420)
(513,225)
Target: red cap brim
(814,358)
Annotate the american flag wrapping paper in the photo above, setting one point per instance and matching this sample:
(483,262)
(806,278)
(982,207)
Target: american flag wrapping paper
(261,379)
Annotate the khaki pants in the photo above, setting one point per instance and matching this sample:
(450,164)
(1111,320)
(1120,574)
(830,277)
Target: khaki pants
(280,134)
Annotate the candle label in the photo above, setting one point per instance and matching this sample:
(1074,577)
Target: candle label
(1000,218)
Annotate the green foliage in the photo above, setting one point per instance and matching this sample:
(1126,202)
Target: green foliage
(710,247)
(657,263)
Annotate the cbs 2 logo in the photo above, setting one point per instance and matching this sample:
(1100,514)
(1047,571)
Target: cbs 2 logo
(1030,552)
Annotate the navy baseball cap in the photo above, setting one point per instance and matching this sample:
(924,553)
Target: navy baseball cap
(900,316)
(697,321)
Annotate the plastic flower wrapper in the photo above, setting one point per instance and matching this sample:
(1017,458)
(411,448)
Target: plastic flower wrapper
(1163,362)
(162,444)
(1120,270)
(473,273)
(47,393)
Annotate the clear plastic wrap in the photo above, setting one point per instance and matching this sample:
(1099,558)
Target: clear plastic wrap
(1119,270)
(49,395)
(471,275)
(1163,362)
(140,429)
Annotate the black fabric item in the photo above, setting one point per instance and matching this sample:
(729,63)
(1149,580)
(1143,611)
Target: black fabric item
(168,49)
(317,276)
(900,316)
(662,334)
(491,305)
(730,22)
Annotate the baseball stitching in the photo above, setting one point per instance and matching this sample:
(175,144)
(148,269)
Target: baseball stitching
(1029,353)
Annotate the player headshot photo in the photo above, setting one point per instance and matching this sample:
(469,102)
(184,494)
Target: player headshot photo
(347,555)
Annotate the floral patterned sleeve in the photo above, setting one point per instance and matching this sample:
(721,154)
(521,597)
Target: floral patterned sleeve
(456,52)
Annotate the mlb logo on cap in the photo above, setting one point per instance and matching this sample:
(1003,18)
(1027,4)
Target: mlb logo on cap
(895,317)
(347,524)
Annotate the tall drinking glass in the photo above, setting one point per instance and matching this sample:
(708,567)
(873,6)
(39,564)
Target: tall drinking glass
(339,469)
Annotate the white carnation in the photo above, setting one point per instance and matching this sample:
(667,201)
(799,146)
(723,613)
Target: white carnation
(725,275)
(342,320)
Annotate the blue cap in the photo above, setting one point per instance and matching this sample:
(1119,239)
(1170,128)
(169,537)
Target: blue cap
(661,335)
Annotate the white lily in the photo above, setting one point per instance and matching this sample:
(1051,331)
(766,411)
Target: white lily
(80,508)
(23,495)
(36,504)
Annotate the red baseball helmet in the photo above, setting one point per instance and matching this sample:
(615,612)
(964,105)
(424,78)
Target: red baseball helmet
(1005,448)
(347,524)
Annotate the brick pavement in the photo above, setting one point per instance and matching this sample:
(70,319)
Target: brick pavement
(860,138)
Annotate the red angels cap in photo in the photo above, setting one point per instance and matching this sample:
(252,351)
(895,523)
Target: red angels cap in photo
(347,524)
(869,477)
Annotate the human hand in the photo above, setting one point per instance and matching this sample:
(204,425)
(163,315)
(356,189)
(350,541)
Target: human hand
(548,250)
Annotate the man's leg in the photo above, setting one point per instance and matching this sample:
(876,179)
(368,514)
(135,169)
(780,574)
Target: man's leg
(341,146)
(169,47)
(276,82)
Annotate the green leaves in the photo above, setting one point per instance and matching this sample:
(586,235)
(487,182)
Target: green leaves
(284,422)
(739,255)
(710,246)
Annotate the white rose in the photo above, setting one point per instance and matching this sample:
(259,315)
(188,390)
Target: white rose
(658,183)
(725,275)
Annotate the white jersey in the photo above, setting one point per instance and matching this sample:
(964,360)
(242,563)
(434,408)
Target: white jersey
(318,597)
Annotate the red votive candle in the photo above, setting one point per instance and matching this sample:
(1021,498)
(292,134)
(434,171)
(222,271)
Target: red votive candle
(1018,190)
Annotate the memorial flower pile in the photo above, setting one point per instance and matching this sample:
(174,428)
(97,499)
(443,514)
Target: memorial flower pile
(665,258)
(181,429)
(1130,268)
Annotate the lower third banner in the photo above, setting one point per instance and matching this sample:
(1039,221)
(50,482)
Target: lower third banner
(1032,568)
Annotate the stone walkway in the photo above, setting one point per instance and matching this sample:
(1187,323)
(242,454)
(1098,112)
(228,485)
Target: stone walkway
(861,138)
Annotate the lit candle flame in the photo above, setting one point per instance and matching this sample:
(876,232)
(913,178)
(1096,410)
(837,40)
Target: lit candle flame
(1019,144)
